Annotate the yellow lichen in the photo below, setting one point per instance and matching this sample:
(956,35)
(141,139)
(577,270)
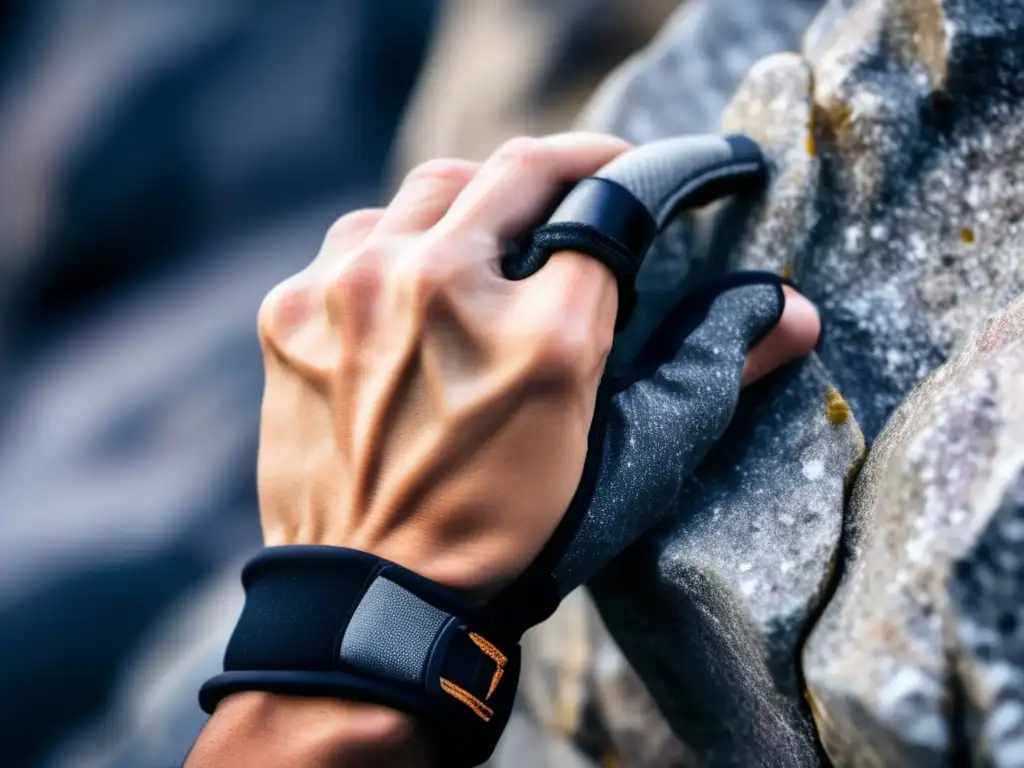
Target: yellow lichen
(966,235)
(786,272)
(810,144)
(836,409)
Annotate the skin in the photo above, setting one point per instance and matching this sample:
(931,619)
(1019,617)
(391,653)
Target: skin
(421,407)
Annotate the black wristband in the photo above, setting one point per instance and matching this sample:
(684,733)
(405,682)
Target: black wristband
(330,621)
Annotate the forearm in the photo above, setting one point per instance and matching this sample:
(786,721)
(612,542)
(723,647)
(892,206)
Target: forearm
(258,730)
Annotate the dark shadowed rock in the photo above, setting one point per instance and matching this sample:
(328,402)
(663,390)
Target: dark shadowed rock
(917,659)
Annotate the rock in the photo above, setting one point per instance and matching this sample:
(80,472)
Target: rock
(576,683)
(917,659)
(711,606)
(895,203)
(985,590)
(684,79)
(898,173)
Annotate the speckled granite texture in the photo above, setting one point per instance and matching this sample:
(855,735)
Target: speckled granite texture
(917,660)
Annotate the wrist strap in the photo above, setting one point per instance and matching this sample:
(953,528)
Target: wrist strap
(330,621)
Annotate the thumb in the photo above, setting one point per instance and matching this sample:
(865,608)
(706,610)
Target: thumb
(663,419)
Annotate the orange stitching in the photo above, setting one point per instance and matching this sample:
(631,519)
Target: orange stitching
(481,710)
(495,680)
(491,651)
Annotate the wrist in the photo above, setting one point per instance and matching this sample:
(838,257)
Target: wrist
(256,729)
(477,566)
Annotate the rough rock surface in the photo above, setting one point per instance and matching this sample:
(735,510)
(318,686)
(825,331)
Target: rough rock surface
(711,607)
(895,203)
(903,183)
(917,660)
(684,79)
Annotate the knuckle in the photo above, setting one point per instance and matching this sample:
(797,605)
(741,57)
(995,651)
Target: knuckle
(284,306)
(524,152)
(429,272)
(442,171)
(354,221)
(563,351)
(356,282)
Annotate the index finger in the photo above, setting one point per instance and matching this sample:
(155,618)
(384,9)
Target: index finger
(518,181)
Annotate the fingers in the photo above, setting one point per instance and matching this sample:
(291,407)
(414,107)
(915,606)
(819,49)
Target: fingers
(574,293)
(426,194)
(794,336)
(518,181)
(577,296)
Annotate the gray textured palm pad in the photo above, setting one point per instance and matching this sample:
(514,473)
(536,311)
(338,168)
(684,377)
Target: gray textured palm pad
(391,633)
(651,172)
(660,428)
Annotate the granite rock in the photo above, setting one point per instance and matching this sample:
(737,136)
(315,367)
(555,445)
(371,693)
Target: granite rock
(917,660)
(684,79)
(895,204)
(900,171)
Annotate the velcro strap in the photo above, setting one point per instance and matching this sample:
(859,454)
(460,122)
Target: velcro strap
(337,622)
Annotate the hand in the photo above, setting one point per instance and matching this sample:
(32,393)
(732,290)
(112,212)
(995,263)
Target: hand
(420,406)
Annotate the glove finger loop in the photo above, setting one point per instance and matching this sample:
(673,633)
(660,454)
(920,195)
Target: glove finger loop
(615,215)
